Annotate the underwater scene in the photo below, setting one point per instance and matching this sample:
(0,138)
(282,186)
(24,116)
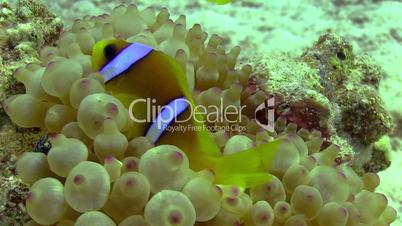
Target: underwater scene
(201,112)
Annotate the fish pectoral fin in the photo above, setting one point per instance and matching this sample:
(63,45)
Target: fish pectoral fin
(255,159)
(244,180)
(249,167)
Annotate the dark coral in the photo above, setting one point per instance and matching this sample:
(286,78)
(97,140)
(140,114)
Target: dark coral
(352,84)
(377,163)
(363,115)
(333,57)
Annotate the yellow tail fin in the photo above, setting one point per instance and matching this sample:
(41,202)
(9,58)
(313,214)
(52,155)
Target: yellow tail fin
(247,168)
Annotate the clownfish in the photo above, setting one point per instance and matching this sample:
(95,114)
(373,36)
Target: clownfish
(133,72)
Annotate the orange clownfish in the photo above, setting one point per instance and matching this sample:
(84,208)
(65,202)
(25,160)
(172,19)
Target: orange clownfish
(134,72)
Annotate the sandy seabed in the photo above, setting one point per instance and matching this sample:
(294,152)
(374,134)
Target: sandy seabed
(373,27)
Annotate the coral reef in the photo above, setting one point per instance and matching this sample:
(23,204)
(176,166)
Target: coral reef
(331,90)
(24,30)
(309,183)
(352,82)
(381,156)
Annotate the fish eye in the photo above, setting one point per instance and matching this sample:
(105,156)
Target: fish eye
(110,51)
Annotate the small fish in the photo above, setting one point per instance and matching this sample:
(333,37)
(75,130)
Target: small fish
(44,145)
(134,71)
(220,2)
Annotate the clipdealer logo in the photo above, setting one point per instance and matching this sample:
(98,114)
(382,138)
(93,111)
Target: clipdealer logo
(174,111)
(166,114)
(265,115)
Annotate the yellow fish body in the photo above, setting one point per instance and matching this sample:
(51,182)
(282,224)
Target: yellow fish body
(220,2)
(159,77)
